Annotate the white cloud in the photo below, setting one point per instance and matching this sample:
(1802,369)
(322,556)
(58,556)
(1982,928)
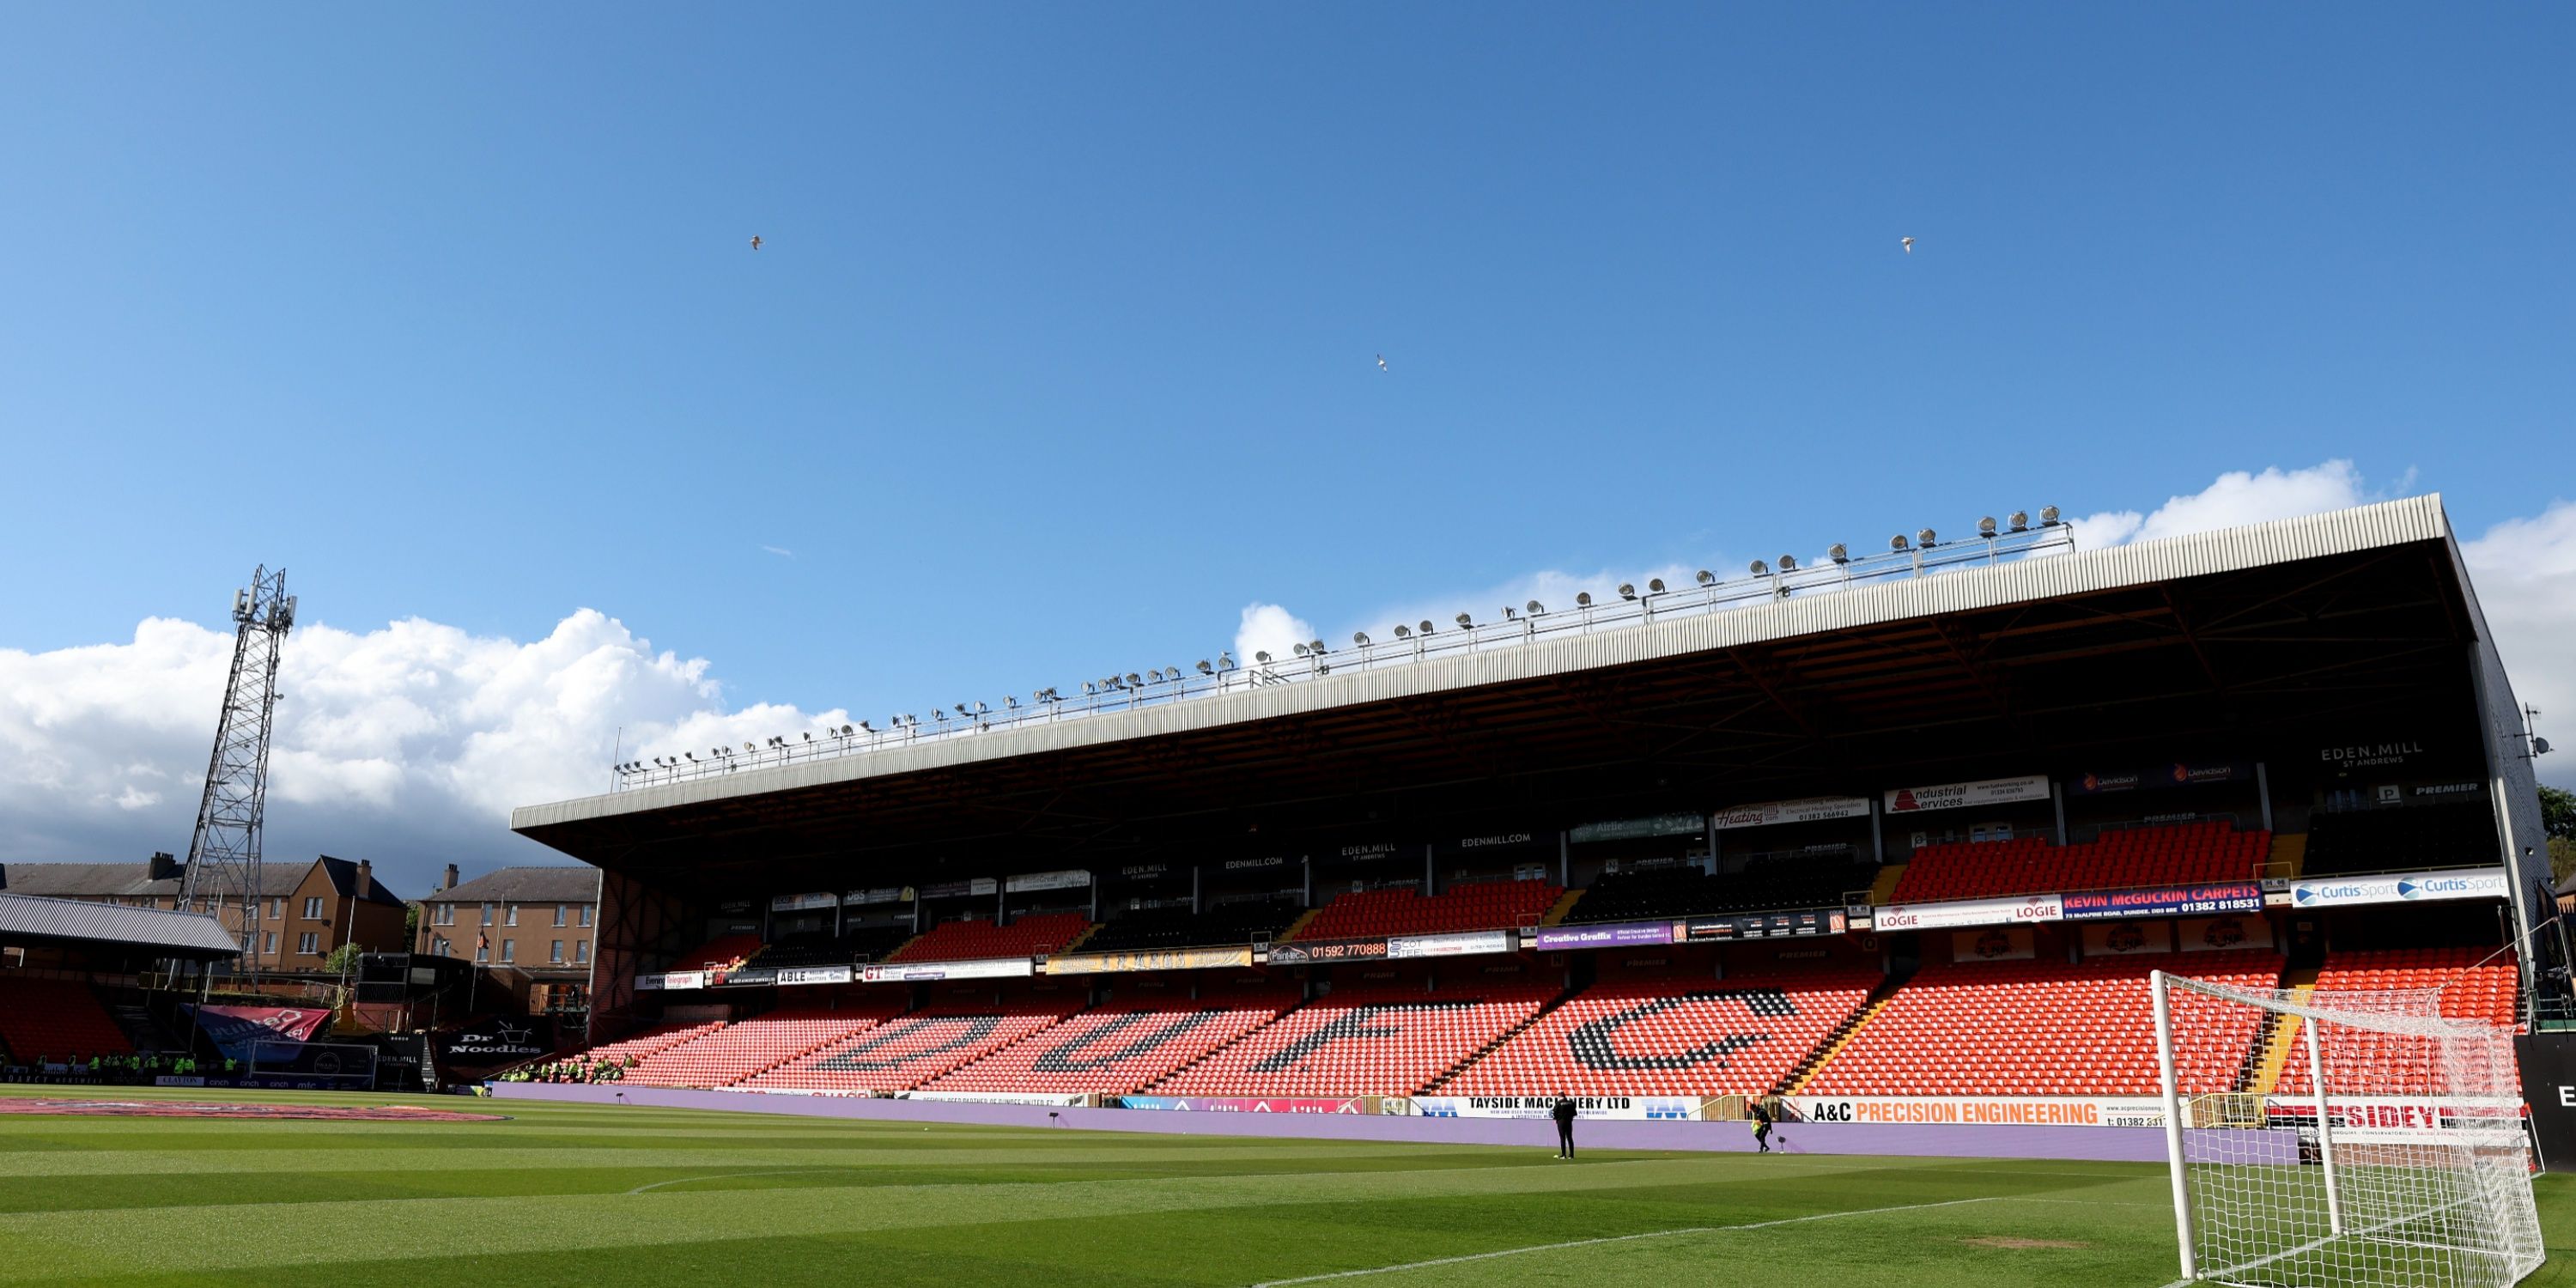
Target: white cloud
(2238,497)
(2526,578)
(780,551)
(407,745)
(1268,628)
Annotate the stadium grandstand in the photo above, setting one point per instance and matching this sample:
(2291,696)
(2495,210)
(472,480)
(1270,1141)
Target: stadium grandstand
(1886,830)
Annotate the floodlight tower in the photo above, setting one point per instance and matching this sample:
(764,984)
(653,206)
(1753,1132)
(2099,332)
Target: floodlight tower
(223,857)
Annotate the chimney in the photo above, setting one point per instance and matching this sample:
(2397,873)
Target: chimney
(450,882)
(162,867)
(366,878)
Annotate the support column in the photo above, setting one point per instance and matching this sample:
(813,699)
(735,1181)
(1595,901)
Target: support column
(2263,791)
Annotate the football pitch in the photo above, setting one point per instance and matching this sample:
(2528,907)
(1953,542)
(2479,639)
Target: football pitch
(622,1197)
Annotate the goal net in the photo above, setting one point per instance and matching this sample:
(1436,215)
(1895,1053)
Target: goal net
(2342,1138)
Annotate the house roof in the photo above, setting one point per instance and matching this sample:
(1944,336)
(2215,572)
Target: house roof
(27,918)
(86,880)
(557,884)
(344,879)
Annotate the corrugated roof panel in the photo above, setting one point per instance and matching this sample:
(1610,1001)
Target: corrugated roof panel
(193,933)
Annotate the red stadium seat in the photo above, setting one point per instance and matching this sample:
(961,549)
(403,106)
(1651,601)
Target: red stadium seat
(2124,858)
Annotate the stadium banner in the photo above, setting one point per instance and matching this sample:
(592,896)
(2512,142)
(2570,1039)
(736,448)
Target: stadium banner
(2409,887)
(235,1029)
(951,889)
(801,902)
(744,976)
(1474,943)
(1811,809)
(989,968)
(2127,938)
(1265,861)
(1987,791)
(1998,1111)
(2369,755)
(1609,1108)
(1638,829)
(487,1044)
(1992,944)
(1763,925)
(1623,934)
(2166,901)
(1509,839)
(2219,934)
(307,1066)
(1327,950)
(2180,773)
(1068,879)
(880,894)
(2398,1114)
(682,979)
(815,974)
(1969,912)
(1069,1101)
(1166,959)
(1254,1104)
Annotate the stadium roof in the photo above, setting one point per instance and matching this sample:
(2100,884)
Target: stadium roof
(86,880)
(2348,620)
(28,920)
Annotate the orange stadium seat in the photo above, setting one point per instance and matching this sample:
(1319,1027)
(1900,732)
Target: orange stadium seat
(55,1019)
(1402,910)
(902,1054)
(1670,1037)
(2037,1028)
(1118,1048)
(724,1056)
(1366,1041)
(2124,858)
(2472,988)
(977,938)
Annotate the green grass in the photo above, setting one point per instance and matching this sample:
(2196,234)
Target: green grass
(626,1197)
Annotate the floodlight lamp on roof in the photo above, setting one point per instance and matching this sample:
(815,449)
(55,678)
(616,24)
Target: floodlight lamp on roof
(1225,661)
(1924,538)
(1425,627)
(1511,614)
(1204,668)
(1360,638)
(1788,563)
(1316,645)
(1896,542)
(1759,568)
(1155,675)
(1654,585)
(2047,516)
(1535,608)
(1986,526)
(1705,577)
(1132,680)
(1627,590)
(2019,519)
(1583,599)
(1261,657)
(1838,553)
(1300,649)
(845,729)
(1403,632)
(1464,621)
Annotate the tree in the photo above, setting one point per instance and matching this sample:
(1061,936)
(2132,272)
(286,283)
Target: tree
(2558,812)
(342,959)
(411,925)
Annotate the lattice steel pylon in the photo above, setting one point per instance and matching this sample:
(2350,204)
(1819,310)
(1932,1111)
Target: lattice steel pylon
(223,857)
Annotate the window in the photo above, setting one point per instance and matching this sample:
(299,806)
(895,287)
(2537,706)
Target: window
(446,915)
(585,914)
(556,956)
(580,950)
(511,917)
(482,950)
(313,908)
(487,914)
(440,946)
(309,943)
(509,950)
(559,914)
(269,945)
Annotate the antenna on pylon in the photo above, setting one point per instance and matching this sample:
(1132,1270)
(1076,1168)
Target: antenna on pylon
(223,857)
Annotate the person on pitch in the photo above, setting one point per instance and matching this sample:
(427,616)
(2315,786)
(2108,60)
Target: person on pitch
(1761,1128)
(1563,1112)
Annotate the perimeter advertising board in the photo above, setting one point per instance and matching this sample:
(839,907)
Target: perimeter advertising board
(991,968)
(1811,809)
(2407,887)
(1609,1108)
(1166,959)
(1471,944)
(1625,934)
(815,974)
(1764,925)
(1254,1104)
(1970,912)
(1327,950)
(2002,1111)
(1989,791)
(2167,901)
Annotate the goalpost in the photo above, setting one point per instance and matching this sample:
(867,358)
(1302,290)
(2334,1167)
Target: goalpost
(2342,1139)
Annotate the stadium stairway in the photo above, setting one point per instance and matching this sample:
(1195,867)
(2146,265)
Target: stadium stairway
(2289,855)
(2270,1057)
(1564,908)
(1882,891)
(1842,1033)
(1074,945)
(141,1029)
(1297,927)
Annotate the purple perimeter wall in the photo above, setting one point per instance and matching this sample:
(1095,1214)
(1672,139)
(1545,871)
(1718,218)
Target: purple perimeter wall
(2097,1144)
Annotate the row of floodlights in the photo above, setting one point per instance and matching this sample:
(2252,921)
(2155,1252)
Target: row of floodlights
(1132,682)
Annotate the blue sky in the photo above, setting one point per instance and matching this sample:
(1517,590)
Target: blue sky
(1060,349)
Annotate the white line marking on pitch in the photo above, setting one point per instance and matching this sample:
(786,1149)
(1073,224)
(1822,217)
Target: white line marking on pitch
(1621,1238)
(718,1176)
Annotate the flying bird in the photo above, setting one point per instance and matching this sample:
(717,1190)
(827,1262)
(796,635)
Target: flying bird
(1908,241)
(755,242)
(1381,362)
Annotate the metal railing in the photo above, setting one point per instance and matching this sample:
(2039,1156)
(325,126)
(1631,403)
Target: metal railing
(1411,643)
